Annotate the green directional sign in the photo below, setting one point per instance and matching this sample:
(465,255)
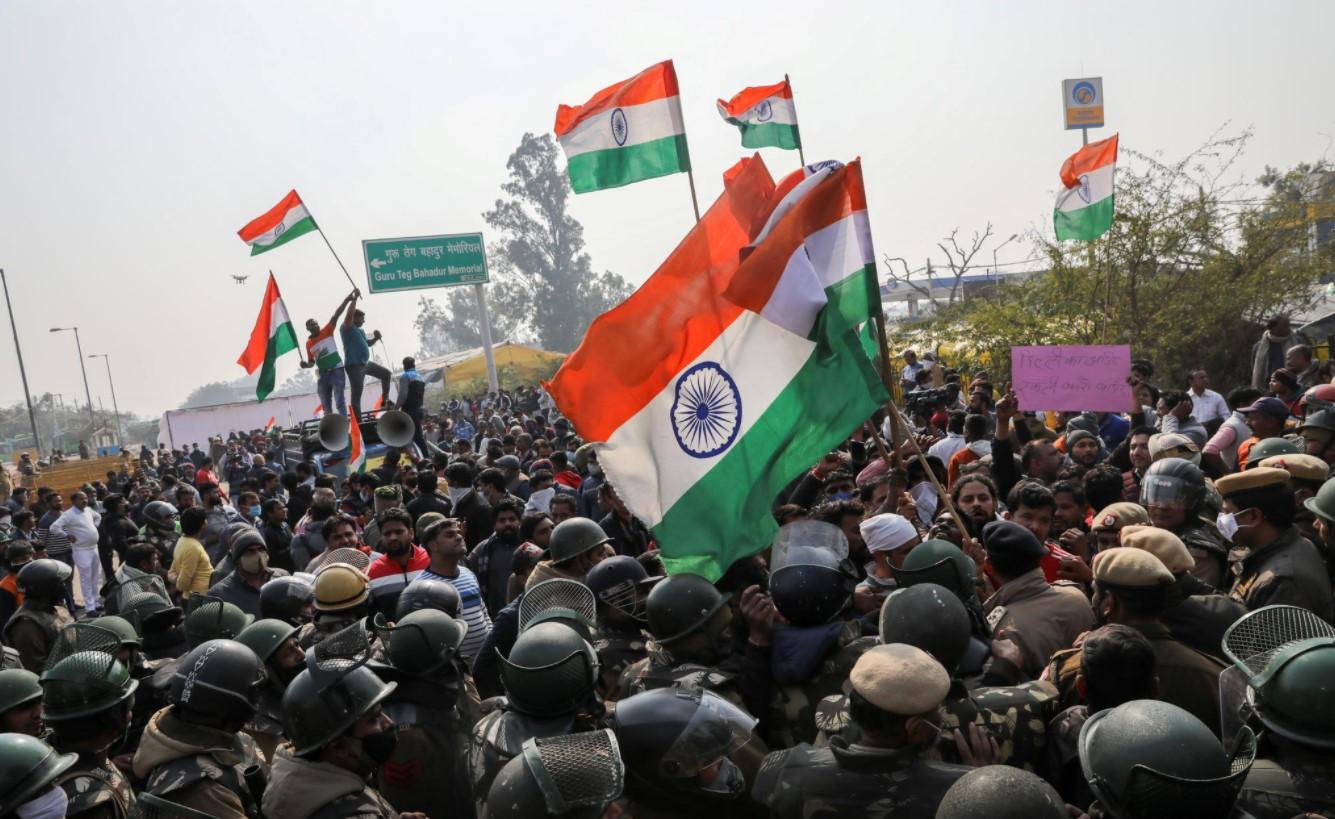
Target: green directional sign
(416,262)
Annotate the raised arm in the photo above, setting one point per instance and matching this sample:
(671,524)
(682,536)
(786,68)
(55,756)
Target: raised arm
(350,305)
(343,305)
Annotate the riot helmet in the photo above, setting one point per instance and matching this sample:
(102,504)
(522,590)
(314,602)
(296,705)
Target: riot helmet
(551,670)
(572,538)
(1173,482)
(28,766)
(811,580)
(681,605)
(217,682)
(83,677)
(940,562)
(265,636)
(150,613)
(161,516)
(213,619)
(287,598)
(44,580)
(423,642)
(621,583)
(1001,792)
(574,776)
(670,737)
(334,691)
(428,593)
(929,617)
(1270,447)
(562,599)
(18,687)
(341,587)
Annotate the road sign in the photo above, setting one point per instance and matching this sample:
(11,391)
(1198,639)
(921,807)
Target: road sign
(417,262)
(1082,100)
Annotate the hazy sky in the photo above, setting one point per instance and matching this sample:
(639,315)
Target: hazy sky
(137,137)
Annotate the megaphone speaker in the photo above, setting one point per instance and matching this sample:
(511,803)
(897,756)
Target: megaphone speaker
(395,428)
(334,432)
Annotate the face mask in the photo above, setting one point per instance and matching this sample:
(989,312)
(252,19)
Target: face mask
(457,492)
(379,747)
(842,496)
(542,499)
(51,804)
(254,512)
(729,782)
(1227,523)
(254,562)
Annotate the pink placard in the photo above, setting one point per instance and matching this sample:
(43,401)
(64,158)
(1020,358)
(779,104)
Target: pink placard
(1072,379)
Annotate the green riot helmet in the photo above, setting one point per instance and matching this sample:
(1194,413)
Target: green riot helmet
(44,579)
(334,691)
(561,599)
(265,636)
(428,593)
(18,687)
(150,613)
(551,670)
(929,617)
(1322,504)
(573,776)
(1148,759)
(1270,447)
(287,598)
(83,676)
(668,735)
(572,538)
(218,679)
(213,619)
(940,562)
(1001,792)
(123,628)
(1286,656)
(423,642)
(682,605)
(28,766)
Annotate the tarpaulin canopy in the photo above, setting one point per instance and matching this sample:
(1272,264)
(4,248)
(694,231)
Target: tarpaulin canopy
(468,365)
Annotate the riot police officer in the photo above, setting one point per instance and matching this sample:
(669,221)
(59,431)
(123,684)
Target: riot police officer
(288,598)
(428,593)
(621,585)
(943,563)
(158,623)
(193,751)
(342,597)
(1173,491)
(21,703)
(275,643)
(1001,792)
(162,529)
(28,771)
(575,776)
(213,619)
(33,628)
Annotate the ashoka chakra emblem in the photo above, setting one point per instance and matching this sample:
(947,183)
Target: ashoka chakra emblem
(764,111)
(620,129)
(706,410)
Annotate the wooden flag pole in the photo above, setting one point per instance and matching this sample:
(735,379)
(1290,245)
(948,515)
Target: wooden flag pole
(690,176)
(941,493)
(800,156)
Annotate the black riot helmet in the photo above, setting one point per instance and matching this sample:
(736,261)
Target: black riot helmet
(668,735)
(44,580)
(161,516)
(621,582)
(334,691)
(1173,482)
(562,599)
(1146,759)
(682,605)
(551,670)
(428,593)
(287,598)
(811,580)
(929,617)
(1001,792)
(573,776)
(217,683)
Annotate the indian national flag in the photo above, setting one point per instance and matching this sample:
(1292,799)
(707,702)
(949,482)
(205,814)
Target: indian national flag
(1085,203)
(709,405)
(765,115)
(281,224)
(356,452)
(273,419)
(625,133)
(271,337)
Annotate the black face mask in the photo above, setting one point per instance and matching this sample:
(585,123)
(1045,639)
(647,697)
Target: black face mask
(379,747)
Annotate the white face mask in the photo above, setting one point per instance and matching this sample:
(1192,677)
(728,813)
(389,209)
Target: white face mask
(51,804)
(541,501)
(1227,523)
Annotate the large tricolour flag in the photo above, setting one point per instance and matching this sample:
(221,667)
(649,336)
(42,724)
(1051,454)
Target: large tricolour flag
(625,133)
(271,337)
(708,408)
(765,115)
(1085,204)
(281,224)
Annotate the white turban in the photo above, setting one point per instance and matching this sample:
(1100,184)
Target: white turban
(887,532)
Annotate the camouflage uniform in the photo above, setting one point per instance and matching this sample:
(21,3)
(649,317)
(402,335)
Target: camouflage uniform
(618,649)
(319,790)
(1208,549)
(200,767)
(96,788)
(798,702)
(32,632)
(499,737)
(1290,782)
(429,769)
(164,543)
(266,727)
(846,780)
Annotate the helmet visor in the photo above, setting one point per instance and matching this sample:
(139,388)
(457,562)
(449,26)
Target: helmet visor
(808,543)
(1161,490)
(716,729)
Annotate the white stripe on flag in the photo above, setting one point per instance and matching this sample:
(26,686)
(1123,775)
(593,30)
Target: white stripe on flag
(289,219)
(1100,186)
(644,123)
(782,112)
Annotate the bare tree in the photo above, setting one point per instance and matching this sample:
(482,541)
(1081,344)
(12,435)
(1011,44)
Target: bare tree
(959,260)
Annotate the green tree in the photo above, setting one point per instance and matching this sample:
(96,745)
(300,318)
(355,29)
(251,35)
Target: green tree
(1196,260)
(456,325)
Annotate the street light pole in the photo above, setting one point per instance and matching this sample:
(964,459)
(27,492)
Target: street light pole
(1013,237)
(23,373)
(120,433)
(86,392)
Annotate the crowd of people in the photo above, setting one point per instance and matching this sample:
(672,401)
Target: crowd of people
(968,611)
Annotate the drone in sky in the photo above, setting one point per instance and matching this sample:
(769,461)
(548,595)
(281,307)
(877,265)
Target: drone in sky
(240,279)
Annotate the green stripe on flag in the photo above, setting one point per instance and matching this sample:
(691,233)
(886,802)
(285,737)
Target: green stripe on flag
(726,515)
(299,229)
(614,167)
(852,301)
(283,341)
(1085,223)
(769,135)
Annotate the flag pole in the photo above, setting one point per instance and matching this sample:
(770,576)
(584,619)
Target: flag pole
(332,252)
(690,177)
(800,157)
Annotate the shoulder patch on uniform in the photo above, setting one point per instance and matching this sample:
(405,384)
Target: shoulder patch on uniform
(994,616)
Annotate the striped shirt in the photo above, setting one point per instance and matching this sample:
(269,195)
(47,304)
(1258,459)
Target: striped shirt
(57,543)
(471,608)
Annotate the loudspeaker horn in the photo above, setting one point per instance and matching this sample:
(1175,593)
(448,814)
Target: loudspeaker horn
(334,432)
(395,428)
